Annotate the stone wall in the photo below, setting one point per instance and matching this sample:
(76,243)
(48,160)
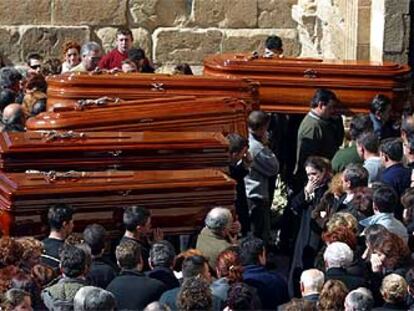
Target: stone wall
(334,29)
(173,31)
(170,31)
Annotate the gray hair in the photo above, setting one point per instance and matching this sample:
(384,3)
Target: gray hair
(360,299)
(156,306)
(338,255)
(88,47)
(162,254)
(312,280)
(218,219)
(91,298)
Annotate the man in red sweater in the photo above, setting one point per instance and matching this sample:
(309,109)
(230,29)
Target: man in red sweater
(114,58)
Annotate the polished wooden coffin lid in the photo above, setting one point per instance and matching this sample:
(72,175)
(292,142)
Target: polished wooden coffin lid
(60,150)
(178,200)
(74,86)
(108,102)
(217,114)
(288,84)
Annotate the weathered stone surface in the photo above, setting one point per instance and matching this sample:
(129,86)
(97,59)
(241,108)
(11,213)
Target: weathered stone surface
(142,39)
(173,46)
(394,34)
(158,13)
(48,41)
(229,13)
(397,6)
(401,58)
(32,12)
(275,13)
(89,12)
(9,39)
(107,38)
(251,40)
(363,52)
(364,25)
(364,3)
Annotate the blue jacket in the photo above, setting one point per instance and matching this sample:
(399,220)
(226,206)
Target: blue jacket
(271,287)
(398,177)
(389,222)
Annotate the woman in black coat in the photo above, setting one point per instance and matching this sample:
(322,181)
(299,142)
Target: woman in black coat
(318,171)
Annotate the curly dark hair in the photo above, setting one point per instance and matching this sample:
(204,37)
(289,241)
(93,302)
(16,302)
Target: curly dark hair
(194,294)
(332,296)
(10,251)
(240,297)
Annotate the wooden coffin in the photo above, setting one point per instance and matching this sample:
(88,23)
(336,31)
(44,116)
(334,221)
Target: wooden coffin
(71,87)
(213,114)
(109,102)
(178,200)
(288,84)
(54,150)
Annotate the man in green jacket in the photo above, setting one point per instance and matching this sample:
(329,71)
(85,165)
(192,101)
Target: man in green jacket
(320,133)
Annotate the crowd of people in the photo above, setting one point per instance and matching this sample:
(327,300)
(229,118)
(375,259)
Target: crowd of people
(25,84)
(346,230)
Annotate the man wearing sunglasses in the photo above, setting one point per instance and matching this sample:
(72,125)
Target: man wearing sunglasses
(34,62)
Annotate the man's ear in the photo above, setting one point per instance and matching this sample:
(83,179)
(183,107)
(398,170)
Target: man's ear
(302,288)
(262,257)
(320,105)
(140,265)
(374,207)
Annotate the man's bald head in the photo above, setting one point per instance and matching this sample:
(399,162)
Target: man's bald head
(311,281)
(11,111)
(13,118)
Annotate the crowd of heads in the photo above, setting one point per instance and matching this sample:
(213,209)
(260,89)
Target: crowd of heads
(25,84)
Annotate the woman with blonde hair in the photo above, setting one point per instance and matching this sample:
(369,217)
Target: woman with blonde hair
(342,219)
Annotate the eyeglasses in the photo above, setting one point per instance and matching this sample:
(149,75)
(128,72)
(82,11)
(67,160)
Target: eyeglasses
(35,66)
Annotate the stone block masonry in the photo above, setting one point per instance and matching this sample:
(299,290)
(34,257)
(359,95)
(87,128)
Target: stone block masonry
(170,31)
(173,31)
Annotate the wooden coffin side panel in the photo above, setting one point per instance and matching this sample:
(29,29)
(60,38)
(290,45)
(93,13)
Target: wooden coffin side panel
(224,115)
(178,200)
(287,85)
(59,150)
(64,89)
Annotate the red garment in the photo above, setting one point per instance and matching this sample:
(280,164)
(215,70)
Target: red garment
(113,59)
